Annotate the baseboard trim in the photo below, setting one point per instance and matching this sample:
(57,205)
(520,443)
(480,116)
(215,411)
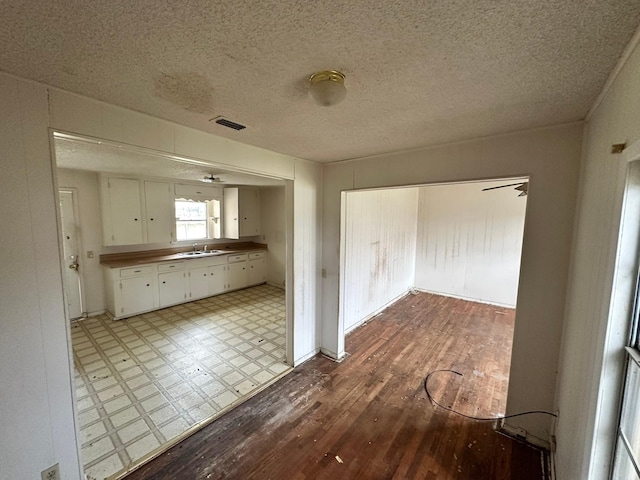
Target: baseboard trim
(360,323)
(333,356)
(306,357)
(468,299)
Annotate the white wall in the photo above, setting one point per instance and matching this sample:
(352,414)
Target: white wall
(380,249)
(36,404)
(87,190)
(274,227)
(550,158)
(595,326)
(307,258)
(469,241)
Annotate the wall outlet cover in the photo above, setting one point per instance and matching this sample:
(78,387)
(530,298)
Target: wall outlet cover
(51,473)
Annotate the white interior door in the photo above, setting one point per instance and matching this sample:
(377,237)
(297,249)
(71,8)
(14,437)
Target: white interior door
(71,250)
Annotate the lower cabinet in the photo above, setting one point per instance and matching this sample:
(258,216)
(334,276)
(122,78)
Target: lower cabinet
(257,268)
(140,289)
(217,279)
(172,288)
(237,275)
(198,283)
(207,277)
(135,295)
(131,290)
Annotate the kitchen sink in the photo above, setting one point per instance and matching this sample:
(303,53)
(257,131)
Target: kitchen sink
(201,253)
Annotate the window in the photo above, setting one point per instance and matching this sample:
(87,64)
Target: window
(627,452)
(191,220)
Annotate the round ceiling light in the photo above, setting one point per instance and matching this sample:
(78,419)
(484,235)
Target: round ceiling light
(327,87)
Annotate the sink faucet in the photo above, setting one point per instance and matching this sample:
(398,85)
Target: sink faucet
(195,247)
(205,248)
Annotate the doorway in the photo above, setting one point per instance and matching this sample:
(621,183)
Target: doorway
(71,247)
(461,240)
(145,382)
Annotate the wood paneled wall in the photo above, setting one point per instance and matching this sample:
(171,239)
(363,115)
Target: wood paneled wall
(469,241)
(380,247)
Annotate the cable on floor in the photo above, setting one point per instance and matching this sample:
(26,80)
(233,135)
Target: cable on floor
(482,419)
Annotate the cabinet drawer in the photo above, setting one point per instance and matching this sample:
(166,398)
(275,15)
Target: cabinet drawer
(254,255)
(135,271)
(220,260)
(238,258)
(171,267)
(198,191)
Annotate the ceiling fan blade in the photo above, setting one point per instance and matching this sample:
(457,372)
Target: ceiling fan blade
(502,186)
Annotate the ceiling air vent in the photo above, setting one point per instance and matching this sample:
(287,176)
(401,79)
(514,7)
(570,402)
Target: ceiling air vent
(228,123)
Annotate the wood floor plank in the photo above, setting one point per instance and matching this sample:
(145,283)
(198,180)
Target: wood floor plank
(369,416)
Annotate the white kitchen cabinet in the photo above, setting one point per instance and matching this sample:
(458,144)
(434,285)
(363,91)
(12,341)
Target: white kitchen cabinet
(159,206)
(131,290)
(197,192)
(207,277)
(237,274)
(139,289)
(122,212)
(136,211)
(172,284)
(257,268)
(136,295)
(241,212)
(218,279)
(199,283)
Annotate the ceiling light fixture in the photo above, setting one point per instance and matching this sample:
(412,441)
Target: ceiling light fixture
(327,87)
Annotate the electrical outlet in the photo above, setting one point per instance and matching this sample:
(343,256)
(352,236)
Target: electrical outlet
(51,473)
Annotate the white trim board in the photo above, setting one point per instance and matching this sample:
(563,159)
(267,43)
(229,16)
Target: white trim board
(468,299)
(376,312)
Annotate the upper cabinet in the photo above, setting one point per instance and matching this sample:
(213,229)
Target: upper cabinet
(241,212)
(136,211)
(159,208)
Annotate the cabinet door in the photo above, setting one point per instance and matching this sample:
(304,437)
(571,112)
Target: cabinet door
(217,279)
(199,283)
(249,202)
(125,211)
(172,288)
(136,295)
(231,213)
(237,275)
(159,208)
(257,271)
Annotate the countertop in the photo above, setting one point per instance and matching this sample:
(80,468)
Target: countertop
(131,259)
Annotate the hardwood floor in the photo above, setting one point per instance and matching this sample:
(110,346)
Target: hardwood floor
(369,417)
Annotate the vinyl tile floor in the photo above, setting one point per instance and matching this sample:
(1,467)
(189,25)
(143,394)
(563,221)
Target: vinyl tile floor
(146,380)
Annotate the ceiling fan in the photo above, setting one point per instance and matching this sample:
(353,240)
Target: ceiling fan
(211,178)
(522,187)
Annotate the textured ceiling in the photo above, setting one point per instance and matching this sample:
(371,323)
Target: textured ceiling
(418,72)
